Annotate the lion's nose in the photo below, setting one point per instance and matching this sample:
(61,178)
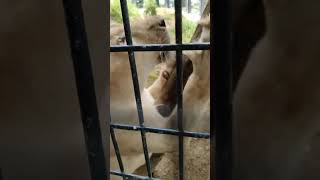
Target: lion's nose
(164,110)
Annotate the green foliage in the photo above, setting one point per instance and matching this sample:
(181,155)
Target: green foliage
(188,28)
(115,11)
(150,7)
(153,75)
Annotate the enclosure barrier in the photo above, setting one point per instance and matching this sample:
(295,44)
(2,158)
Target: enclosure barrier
(85,86)
(220,91)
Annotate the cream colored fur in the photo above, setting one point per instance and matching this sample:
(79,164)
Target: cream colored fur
(196,95)
(123,104)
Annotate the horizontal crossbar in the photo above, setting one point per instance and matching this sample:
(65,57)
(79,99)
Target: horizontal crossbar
(160,47)
(161,131)
(131,176)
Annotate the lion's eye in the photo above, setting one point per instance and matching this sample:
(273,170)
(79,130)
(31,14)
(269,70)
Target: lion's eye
(152,27)
(162,56)
(121,39)
(165,75)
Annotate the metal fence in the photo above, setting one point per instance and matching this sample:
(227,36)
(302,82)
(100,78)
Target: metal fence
(220,91)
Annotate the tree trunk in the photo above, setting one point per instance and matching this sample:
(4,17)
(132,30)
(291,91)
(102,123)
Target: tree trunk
(202,6)
(184,3)
(189,6)
(168,3)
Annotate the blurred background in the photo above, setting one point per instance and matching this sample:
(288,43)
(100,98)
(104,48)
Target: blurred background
(191,11)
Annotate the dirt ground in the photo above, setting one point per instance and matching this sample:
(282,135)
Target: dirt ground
(196,162)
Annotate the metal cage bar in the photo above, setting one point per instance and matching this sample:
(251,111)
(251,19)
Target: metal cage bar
(129,176)
(116,149)
(85,86)
(161,131)
(178,26)
(127,30)
(160,47)
(222,86)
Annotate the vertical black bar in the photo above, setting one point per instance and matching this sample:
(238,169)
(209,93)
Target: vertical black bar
(85,86)
(221,87)
(178,26)
(116,149)
(126,23)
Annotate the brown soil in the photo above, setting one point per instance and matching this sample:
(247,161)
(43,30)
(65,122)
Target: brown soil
(196,160)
